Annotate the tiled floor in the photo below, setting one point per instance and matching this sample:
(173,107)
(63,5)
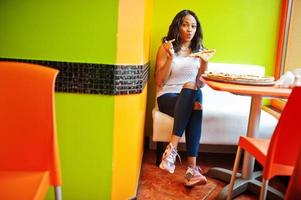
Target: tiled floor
(156,184)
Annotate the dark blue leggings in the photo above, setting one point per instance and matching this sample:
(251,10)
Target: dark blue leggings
(180,106)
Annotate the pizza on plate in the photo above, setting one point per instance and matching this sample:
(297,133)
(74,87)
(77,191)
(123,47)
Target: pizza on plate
(239,78)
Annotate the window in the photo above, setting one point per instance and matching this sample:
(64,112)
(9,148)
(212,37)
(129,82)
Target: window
(289,46)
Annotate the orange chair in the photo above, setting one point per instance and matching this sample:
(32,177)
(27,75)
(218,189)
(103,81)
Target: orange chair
(29,161)
(278,155)
(294,188)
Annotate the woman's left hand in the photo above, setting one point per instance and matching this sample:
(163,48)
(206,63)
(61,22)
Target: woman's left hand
(204,55)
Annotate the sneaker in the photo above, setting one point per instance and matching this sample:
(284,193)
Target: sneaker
(194,177)
(169,159)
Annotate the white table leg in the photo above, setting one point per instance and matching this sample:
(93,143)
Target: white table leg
(253,126)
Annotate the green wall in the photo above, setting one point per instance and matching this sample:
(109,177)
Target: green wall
(85,127)
(75,31)
(78,31)
(241,32)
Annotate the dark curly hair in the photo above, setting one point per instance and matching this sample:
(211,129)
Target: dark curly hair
(174,32)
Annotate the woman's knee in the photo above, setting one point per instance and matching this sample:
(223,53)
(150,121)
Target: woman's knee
(197,95)
(197,105)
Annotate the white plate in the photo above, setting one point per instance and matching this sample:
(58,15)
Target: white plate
(245,82)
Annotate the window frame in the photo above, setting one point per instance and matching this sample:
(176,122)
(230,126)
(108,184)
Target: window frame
(284,27)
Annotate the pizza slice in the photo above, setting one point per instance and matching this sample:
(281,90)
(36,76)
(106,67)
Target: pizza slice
(205,54)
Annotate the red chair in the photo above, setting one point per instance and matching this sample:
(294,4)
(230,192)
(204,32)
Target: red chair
(29,161)
(278,155)
(294,188)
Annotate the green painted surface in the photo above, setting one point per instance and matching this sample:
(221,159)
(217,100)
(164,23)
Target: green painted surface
(85,133)
(78,31)
(241,32)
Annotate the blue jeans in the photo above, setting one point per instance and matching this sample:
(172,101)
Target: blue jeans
(180,107)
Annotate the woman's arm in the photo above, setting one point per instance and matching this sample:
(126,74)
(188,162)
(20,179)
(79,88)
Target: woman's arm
(163,63)
(202,69)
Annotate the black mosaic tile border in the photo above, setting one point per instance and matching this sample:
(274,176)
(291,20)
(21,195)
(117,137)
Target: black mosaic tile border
(96,78)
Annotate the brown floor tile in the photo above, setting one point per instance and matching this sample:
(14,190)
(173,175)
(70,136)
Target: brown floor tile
(156,184)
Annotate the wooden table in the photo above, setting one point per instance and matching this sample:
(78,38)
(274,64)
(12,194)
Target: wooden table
(247,180)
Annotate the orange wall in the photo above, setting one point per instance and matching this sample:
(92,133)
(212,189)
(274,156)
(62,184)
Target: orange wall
(129,112)
(133,31)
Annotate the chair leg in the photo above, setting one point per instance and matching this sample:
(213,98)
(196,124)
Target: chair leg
(58,192)
(159,152)
(235,169)
(264,187)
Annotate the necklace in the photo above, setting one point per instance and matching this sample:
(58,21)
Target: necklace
(185,48)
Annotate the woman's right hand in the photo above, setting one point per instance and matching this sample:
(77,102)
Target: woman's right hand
(163,62)
(167,45)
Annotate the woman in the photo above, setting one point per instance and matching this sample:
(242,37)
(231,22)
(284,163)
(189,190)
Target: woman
(181,59)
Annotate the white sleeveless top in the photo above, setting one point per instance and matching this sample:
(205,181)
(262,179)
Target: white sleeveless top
(183,70)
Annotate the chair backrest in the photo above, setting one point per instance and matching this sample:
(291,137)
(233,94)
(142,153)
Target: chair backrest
(286,139)
(28,138)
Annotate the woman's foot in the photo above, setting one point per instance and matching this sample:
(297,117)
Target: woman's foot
(169,158)
(194,177)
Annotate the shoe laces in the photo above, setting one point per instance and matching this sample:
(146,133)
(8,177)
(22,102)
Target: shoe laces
(171,153)
(194,170)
